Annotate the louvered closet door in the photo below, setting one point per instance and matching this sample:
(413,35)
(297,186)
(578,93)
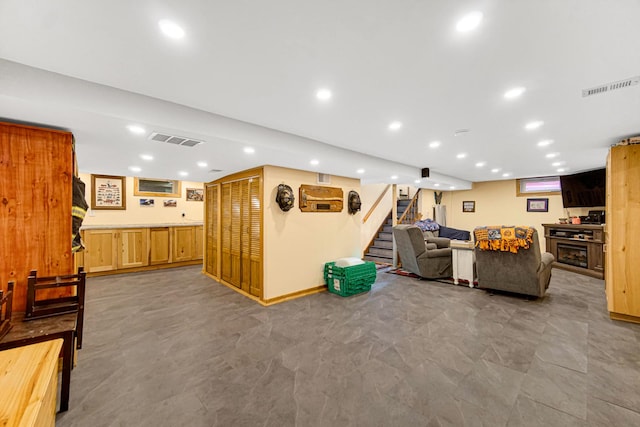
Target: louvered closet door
(245,212)
(211,250)
(254,235)
(225,230)
(236,232)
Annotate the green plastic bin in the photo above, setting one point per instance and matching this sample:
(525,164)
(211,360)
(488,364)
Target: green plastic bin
(352,280)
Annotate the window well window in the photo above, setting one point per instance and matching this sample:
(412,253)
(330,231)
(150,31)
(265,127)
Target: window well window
(548,185)
(156,187)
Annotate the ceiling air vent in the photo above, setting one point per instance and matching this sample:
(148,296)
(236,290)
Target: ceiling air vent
(173,139)
(611,86)
(215,170)
(324,178)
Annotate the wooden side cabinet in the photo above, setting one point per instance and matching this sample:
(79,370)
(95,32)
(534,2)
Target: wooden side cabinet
(132,246)
(159,245)
(101,253)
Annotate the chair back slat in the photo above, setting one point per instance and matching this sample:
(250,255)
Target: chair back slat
(6,304)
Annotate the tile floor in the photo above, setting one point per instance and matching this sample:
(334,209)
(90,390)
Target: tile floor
(174,348)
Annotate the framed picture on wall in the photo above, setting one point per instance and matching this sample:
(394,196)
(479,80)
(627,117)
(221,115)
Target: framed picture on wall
(147,203)
(108,192)
(537,205)
(469,206)
(195,194)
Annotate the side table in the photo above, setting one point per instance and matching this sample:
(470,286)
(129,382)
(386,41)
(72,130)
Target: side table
(464,259)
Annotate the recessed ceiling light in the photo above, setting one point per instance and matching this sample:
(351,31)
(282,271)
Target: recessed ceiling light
(533,125)
(480,164)
(324,94)
(545,142)
(394,176)
(495,170)
(561,169)
(249,150)
(417,181)
(202,164)
(506,174)
(469,22)
(137,129)
(452,187)
(183,173)
(395,125)
(556,164)
(461,155)
(436,185)
(314,162)
(551,155)
(135,168)
(146,157)
(434,144)
(514,93)
(171,29)
(360,171)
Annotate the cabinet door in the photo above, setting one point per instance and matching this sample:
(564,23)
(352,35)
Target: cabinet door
(225,231)
(245,241)
(100,250)
(160,251)
(133,247)
(183,244)
(198,239)
(211,224)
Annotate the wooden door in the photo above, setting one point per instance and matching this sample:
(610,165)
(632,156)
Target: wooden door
(225,231)
(183,244)
(101,253)
(160,249)
(198,242)
(245,241)
(132,245)
(211,224)
(254,236)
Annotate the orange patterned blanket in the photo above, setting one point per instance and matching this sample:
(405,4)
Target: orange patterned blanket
(506,238)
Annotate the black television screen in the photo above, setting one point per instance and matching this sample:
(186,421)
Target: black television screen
(585,189)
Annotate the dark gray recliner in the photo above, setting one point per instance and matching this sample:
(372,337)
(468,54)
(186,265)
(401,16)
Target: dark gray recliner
(527,272)
(424,259)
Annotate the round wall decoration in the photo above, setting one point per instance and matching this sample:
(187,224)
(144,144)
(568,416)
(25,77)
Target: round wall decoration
(285,197)
(354,202)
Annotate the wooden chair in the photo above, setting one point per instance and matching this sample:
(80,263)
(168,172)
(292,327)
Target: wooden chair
(6,300)
(37,309)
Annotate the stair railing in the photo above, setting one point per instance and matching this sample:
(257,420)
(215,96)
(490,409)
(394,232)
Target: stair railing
(375,205)
(410,214)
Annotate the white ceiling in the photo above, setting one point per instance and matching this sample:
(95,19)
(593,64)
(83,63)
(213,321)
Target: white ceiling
(246,74)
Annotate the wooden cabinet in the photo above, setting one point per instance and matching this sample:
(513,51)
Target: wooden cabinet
(622,253)
(139,248)
(234,231)
(101,250)
(36,172)
(159,244)
(132,247)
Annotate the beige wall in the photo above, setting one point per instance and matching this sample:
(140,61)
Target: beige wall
(135,214)
(497,204)
(298,244)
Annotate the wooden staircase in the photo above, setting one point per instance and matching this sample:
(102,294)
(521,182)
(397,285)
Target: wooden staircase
(381,251)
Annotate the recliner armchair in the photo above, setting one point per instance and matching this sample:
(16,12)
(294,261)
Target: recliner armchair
(424,259)
(526,272)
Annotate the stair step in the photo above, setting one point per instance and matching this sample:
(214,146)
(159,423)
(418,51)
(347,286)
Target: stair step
(404,202)
(388,229)
(379,243)
(379,260)
(385,252)
(383,235)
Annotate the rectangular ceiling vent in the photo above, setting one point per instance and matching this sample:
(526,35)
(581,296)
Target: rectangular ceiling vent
(172,139)
(621,84)
(215,170)
(324,178)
